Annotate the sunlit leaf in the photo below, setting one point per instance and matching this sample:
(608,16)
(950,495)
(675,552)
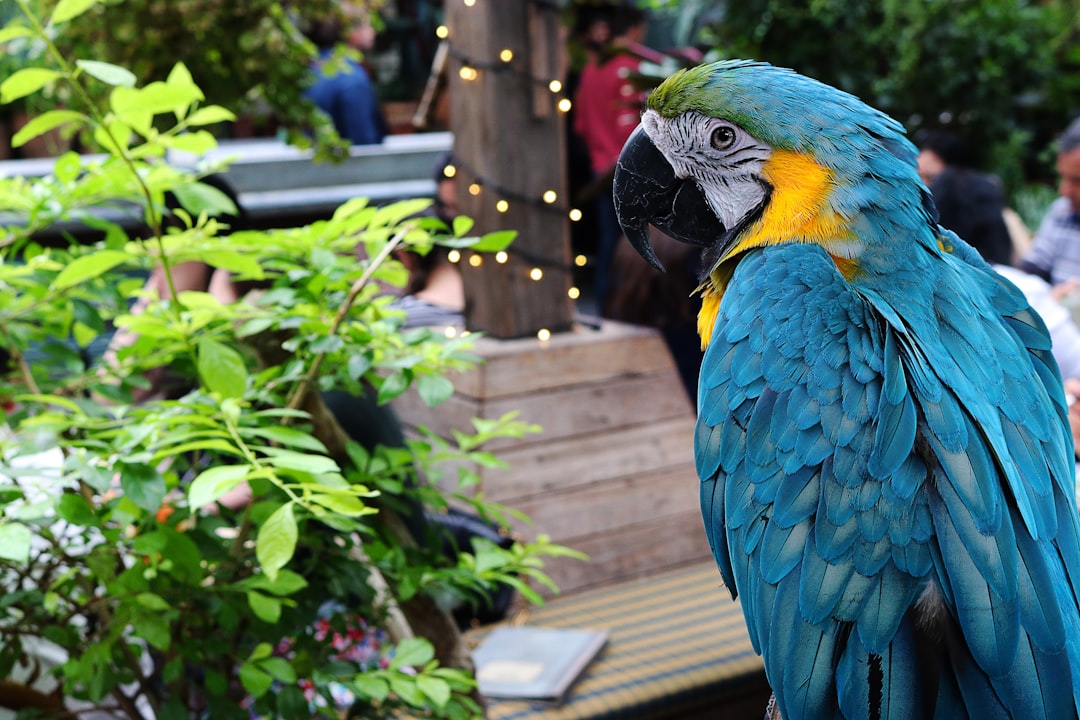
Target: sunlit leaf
(254,680)
(210,115)
(24,82)
(87,267)
(199,197)
(276,542)
(266,608)
(221,368)
(108,73)
(214,482)
(412,651)
(434,389)
(68,9)
(44,123)
(15,542)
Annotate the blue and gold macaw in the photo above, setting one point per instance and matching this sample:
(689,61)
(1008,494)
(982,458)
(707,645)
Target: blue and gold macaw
(887,476)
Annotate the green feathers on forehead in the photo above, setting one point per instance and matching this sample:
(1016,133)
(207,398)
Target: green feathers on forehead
(787,110)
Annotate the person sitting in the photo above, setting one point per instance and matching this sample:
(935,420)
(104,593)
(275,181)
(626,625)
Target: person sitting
(343,90)
(969,203)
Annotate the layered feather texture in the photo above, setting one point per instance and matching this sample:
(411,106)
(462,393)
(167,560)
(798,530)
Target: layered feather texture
(886,464)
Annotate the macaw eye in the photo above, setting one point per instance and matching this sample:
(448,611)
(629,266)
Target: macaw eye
(722,137)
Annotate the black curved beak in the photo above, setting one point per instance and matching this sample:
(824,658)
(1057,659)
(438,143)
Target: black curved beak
(647,191)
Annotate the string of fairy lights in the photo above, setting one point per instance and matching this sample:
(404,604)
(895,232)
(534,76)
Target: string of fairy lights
(472,69)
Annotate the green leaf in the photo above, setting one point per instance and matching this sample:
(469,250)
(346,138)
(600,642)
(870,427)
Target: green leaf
(280,668)
(434,389)
(214,482)
(343,504)
(276,542)
(462,225)
(108,73)
(436,689)
(221,369)
(196,142)
(372,686)
(235,262)
(75,510)
(155,98)
(13,31)
(199,197)
(152,601)
(15,542)
(290,437)
(154,629)
(24,82)
(142,485)
(495,241)
(210,115)
(68,9)
(43,124)
(286,583)
(393,385)
(406,689)
(303,462)
(266,608)
(412,651)
(88,267)
(255,680)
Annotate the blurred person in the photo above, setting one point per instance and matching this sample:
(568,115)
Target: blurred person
(343,89)
(642,295)
(969,203)
(607,106)
(1055,249)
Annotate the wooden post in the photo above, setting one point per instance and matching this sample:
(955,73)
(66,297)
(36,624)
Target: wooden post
(509,144)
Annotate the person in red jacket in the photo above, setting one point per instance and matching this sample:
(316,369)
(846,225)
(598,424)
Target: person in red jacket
(607,106)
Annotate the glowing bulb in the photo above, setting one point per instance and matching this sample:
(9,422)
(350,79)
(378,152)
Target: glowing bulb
(574,293)
(450,331)
(564,105)
(467,73)
(454,256)
(449,171)
(442,32)
(475,260)
(506,54)
(470,3)
(501,257)
(543,335)
(575,214)
(536,273)
(550,196)
(554,86)
(502,206)
(580,260)
(474,189)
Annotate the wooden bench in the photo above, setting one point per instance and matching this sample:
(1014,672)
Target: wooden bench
(678,647)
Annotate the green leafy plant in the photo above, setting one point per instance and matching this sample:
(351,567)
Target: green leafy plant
(131,579)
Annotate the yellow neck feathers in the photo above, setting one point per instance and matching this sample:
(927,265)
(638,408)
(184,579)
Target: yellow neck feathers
(797,211)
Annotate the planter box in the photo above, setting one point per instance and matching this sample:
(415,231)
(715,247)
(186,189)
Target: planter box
(613,473)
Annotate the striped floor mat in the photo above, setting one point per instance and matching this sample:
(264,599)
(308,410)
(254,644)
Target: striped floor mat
(676,641)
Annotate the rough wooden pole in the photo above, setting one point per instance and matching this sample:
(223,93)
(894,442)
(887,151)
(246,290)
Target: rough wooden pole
(509,146)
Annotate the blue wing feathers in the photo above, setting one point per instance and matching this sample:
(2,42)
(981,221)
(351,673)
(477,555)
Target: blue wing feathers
(858,457)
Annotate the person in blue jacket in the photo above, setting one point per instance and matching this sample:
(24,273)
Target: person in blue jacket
(343,90)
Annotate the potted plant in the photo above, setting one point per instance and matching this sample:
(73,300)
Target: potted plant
(131,582)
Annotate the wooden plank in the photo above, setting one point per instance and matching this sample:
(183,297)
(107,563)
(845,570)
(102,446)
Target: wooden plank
(562,413)
(604,507)
(632,551)
(539,469)
(587,354)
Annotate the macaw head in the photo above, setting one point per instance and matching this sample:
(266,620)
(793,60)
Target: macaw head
(736,154)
